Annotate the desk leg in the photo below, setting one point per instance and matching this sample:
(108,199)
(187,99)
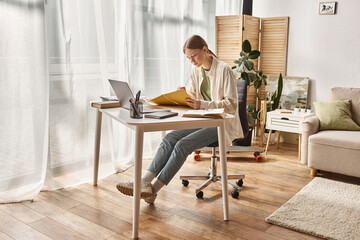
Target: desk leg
(97,145)
(139,137)
(223,164)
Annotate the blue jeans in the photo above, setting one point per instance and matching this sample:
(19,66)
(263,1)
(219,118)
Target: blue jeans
(175,147)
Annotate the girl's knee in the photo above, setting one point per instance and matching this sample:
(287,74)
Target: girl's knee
(183,147)
(167,142)
(170,139)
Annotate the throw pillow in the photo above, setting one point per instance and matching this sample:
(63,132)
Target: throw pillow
(335,115)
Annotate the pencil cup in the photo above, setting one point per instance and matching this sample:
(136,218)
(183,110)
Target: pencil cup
(138,112)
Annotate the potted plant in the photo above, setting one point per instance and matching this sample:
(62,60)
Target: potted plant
(246,71)
(308,109)
(296,109)
(302,109)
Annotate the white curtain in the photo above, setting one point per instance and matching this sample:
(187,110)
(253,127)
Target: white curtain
(229,7)
(56,56)
(24,97)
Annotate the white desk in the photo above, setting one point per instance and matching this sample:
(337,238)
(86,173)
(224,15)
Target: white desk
(150,125)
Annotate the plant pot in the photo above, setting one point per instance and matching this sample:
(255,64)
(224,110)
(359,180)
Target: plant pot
(308,110)
(303,110)
(273,138)
(296,109)
(246,141)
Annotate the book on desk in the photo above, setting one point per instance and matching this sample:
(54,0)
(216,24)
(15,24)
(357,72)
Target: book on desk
(105,104)
(207,113)
(161,115)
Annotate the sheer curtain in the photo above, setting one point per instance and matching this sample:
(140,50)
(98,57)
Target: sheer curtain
(24,97)
(56,56)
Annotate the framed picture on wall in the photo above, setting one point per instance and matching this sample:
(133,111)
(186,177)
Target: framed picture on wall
(327,8)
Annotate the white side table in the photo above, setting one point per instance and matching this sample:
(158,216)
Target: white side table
(285,122)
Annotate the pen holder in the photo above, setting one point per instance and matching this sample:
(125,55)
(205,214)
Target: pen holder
(138,112)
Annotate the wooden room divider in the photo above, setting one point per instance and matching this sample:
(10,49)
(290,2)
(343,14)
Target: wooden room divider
(271,34)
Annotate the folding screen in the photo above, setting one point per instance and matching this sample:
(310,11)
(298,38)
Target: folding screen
(272,37)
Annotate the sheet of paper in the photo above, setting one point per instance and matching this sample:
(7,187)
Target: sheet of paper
(173,98)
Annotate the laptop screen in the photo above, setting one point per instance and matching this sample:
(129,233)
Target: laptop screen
(122,91)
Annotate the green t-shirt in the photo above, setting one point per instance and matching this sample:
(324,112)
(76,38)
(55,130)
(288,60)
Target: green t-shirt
(205,87)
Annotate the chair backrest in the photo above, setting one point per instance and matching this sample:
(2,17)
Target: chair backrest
(242,94)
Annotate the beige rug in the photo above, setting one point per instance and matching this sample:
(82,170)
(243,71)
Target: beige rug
(323,208)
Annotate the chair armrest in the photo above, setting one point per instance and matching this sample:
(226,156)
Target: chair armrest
(310,126)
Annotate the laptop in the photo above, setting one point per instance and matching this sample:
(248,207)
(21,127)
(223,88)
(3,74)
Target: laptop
(123,93)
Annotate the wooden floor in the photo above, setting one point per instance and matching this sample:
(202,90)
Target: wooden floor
(87,212)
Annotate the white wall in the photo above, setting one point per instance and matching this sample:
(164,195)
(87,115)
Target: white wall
(325,48)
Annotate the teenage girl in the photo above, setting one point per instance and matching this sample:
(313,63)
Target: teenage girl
(213,85)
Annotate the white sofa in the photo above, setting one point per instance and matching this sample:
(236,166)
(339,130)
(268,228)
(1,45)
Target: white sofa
(333,150)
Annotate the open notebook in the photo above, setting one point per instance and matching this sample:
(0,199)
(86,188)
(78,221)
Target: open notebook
(208,113)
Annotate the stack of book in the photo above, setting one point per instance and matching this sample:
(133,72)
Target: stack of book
(105,104)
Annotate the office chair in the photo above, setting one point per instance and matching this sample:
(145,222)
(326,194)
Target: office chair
(212,176)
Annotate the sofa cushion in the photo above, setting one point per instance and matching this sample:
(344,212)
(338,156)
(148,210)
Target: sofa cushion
(340,93)
(338,139)
(335,115)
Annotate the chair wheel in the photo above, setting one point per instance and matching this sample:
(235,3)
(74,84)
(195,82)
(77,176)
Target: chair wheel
(235,194)
(259,158)
(200,195)
(239,182)
(197,151)
(196,157)
(256,154)
(185,182)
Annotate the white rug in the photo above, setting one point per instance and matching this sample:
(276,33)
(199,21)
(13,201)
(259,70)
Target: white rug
(323,208)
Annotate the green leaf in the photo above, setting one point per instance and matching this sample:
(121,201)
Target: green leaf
(254,54)
(233,67)
(254,115)
(278,94)
(246,46)
(257,84)
(237,61)
(243,59)
(245,76)
(240,68)
(265,82)
(250,108)
(250,119)
(249,65)
(252,76)
(273,96)
(242,54)
(261,73)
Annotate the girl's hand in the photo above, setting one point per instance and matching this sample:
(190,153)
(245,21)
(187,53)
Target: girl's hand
(179,88)
(195,104)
